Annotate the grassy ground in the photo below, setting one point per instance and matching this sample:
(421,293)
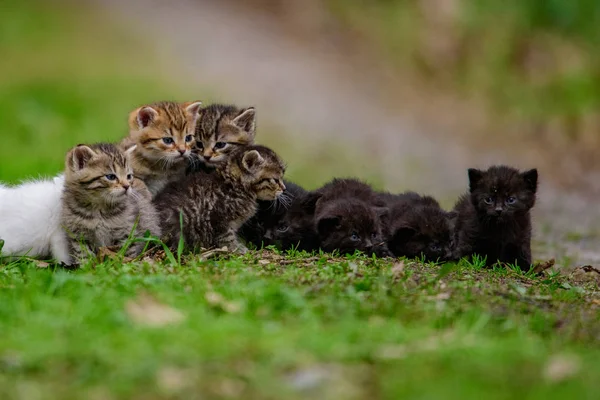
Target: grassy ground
(261,326)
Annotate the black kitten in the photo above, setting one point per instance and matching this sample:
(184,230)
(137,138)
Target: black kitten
(350,224)
(349,188)
(297,227)
(258,230)
(349,217)
(417,226)
(494,218)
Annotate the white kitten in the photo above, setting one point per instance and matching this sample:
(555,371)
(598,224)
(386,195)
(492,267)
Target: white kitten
(30,220)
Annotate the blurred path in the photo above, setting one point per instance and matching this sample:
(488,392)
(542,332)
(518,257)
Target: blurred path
(309,90)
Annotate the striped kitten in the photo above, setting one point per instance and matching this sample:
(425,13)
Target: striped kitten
(220,130)
(164,135)
(214,205)
(102,201)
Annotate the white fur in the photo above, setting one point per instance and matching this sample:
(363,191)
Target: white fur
(30,219)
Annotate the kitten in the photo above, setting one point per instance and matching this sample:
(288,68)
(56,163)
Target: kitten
(214,205)
(351,188)
(296,229)
(30,220)
(164,137)
(221,130)
(494,218)
(349,216)
(347,225)
(417,226)
(258,230)
(102,201)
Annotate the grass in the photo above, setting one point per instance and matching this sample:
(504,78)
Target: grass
(290,326)
(260,326)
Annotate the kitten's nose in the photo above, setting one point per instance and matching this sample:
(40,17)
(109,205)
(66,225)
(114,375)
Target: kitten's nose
(268,235)
(282,185)
(181,151)
(126,187)
(368,244)
(498,210)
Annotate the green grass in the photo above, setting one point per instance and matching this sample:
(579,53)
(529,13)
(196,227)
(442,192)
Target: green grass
(271,326)
(259,326)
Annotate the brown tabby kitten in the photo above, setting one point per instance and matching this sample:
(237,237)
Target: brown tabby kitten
(164,135)
(494,219)
(214,205)
(102,201)
(220,130)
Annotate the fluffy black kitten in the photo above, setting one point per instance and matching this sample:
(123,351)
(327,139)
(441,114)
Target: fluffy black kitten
(494,219)
(417,226)
(258,230)
(296,229)
(348,217)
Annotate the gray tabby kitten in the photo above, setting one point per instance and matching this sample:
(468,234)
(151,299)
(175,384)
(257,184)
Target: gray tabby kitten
(220,130)
(214,205)
(102,202)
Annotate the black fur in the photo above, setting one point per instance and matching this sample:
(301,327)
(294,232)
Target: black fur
(417,226)
(494,218)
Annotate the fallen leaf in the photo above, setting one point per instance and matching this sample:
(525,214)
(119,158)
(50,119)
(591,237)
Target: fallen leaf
(41,264)
(561,367)
(398,270)
(263,262)
(543,266)
(172,380)
(213,298)
(147,311)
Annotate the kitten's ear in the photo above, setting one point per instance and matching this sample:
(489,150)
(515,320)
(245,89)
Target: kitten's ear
(403,234)
(192,108)
(78,158)
(309,203)
(531,178)
(252,160)
(246,120)
(130,150)
(328,224)
(142,117)
(475,176)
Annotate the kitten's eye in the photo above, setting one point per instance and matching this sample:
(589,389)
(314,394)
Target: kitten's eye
(188,138)
(168,140)
(199,146)
(129,177)
(511,200)
(111,177)
(489,200)
(282,228)
(435,247)
(220,145)
(355,237)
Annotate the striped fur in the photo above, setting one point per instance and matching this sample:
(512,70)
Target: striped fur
(102,201)
(220,130)
(214,205)
(164,137)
